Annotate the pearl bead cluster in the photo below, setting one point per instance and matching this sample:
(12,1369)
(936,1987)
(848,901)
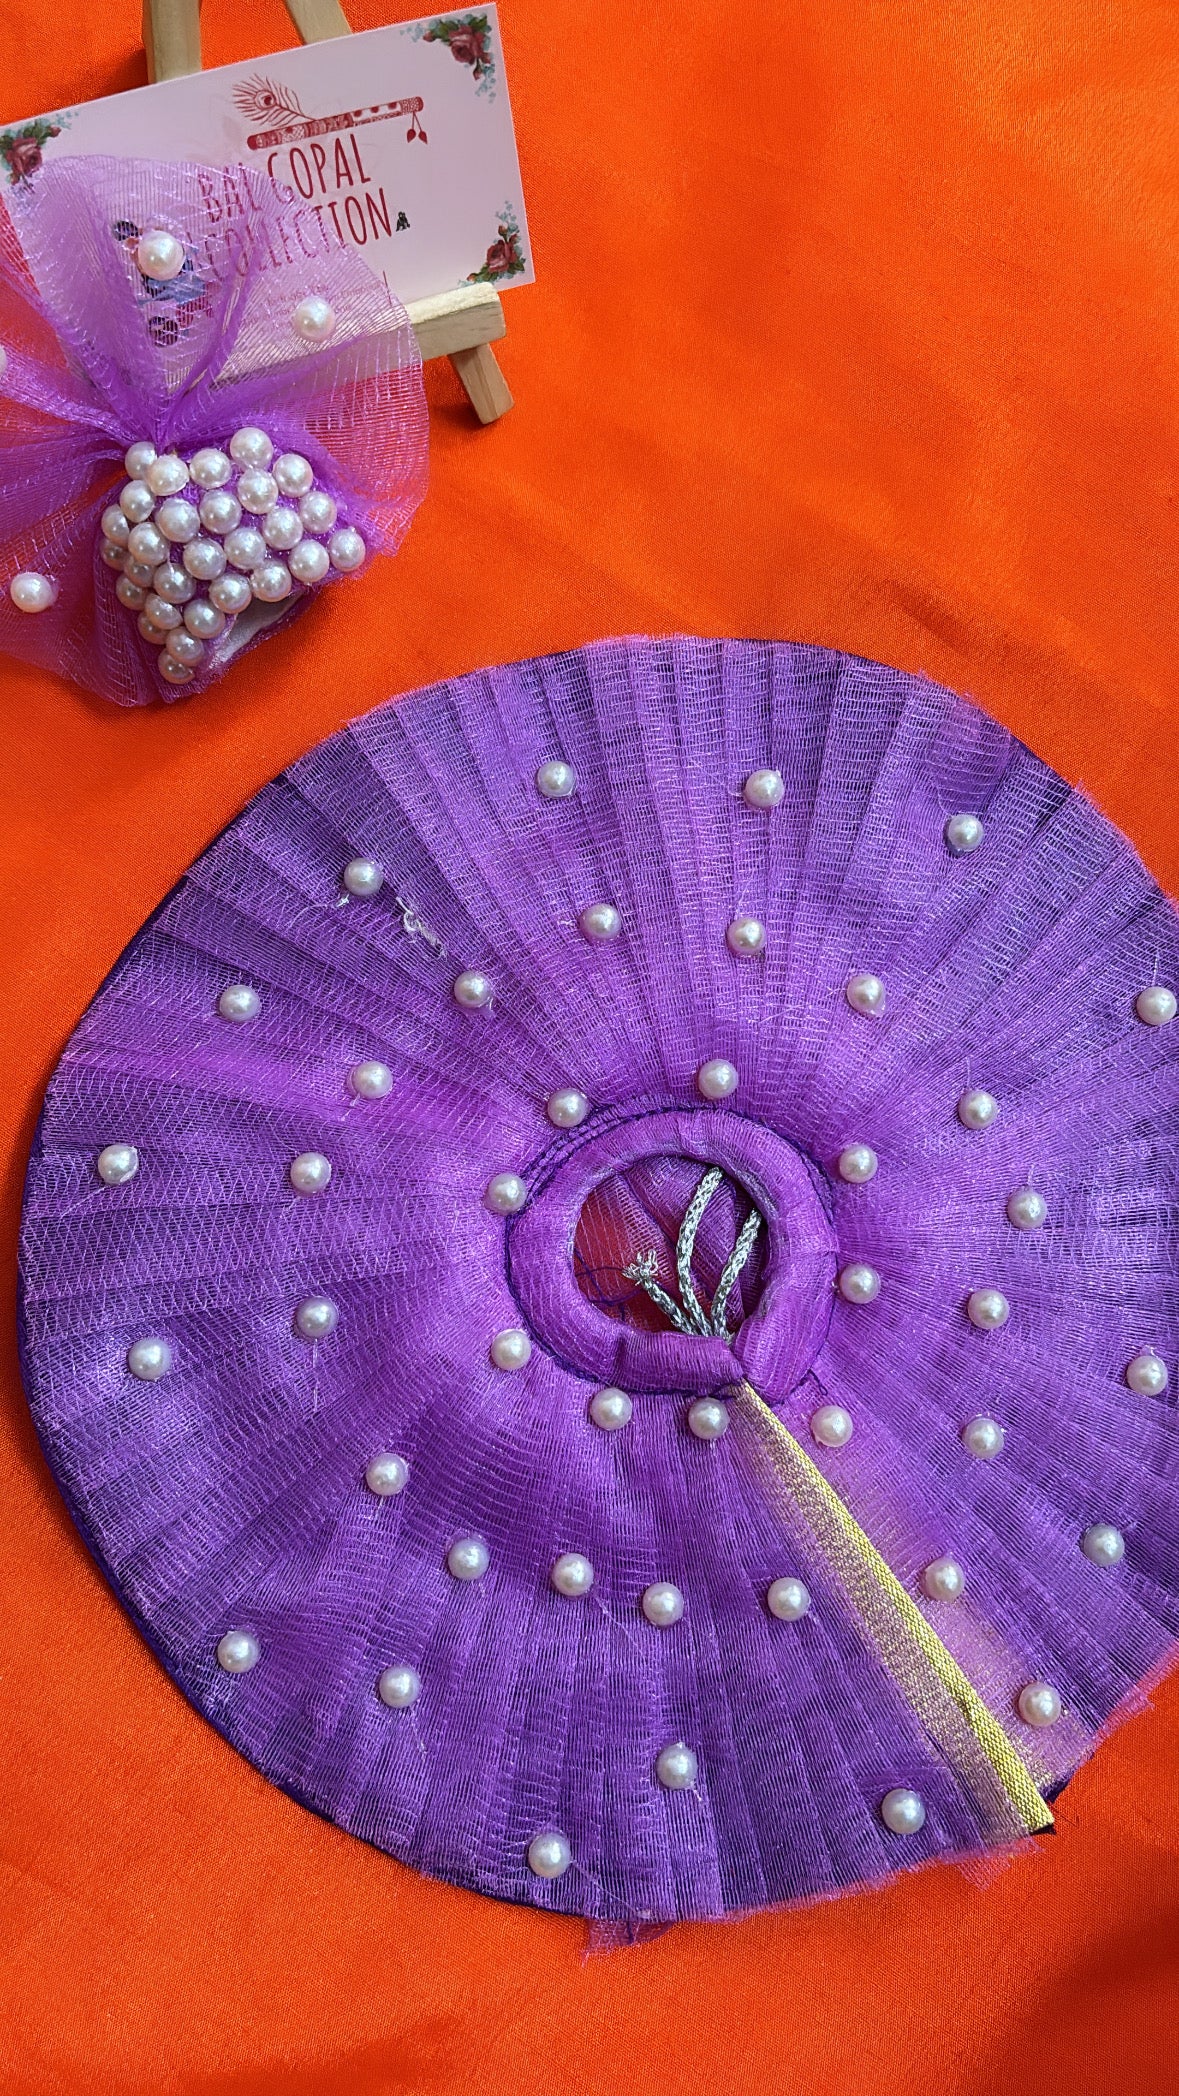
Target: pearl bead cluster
(195,542)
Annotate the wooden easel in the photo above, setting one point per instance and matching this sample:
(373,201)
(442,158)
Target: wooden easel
(461,324)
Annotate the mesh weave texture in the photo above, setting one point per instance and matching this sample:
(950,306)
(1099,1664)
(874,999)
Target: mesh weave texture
(230,1494)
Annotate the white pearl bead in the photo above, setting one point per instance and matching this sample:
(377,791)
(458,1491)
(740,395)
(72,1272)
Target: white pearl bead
(118,1163)
(147,544)
(857,1164)
(149,1359)
(745,937)
(210,468)
(610,1409)
(168,583)
(178,519)
(154,635)
(963,834)
(764,789)
(283,529)
(317,1317)
(184,647)
(572,1575)
(903,1811)
(167,475)
(271,582)
(220,512)
(662,1604)
(116,526)
(245,547)
(567,1109)
(511,1348)
(293,474)
(1039,1704)
(1026,1208)
(204,620)
(988,1308)
(173,584)
(138,458)
(230,594)
(162,614)
(398,1687)
(346,550)
(160,256)
(112,556)
(371,1080)
(788,1600)
(600,923)
(556,780)
(468,1558)
(386,1475)
(136,502)
(716,1079)
(858,1283)
(865,993)
(1156,1006)
(130,594)
(1103,1544)
(318,511)
(313,320)
(257,492)
(175,672)
(505,1194)
(239,1002)
(251,447)
(1147,1374)
(708,1418)
(677,1767)
(549,1855)
(31,592)
(309,1172)
(944,1580)
(309,562)
(984,1438)
(205,559)
(364,877)
(977,1109)
(472,990)
(238,1651)
(138,572)
(832,1426)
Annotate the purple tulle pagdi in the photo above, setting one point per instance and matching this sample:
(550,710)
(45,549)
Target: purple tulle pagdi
(387,1643)
(268,329)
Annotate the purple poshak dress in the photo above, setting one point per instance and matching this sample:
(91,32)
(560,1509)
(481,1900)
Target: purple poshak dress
(600,1279)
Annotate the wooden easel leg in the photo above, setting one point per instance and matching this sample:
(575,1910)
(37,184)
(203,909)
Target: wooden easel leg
(172,38)
(316,20)
(482,381)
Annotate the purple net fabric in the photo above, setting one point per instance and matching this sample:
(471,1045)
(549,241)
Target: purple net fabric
(96,358)
(230,1494)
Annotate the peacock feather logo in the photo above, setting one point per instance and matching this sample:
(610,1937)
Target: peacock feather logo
(263,101)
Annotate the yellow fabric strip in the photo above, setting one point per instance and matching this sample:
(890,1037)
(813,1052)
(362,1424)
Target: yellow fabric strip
(954,1715)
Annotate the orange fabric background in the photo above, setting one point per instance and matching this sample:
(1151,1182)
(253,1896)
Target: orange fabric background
(856,322)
